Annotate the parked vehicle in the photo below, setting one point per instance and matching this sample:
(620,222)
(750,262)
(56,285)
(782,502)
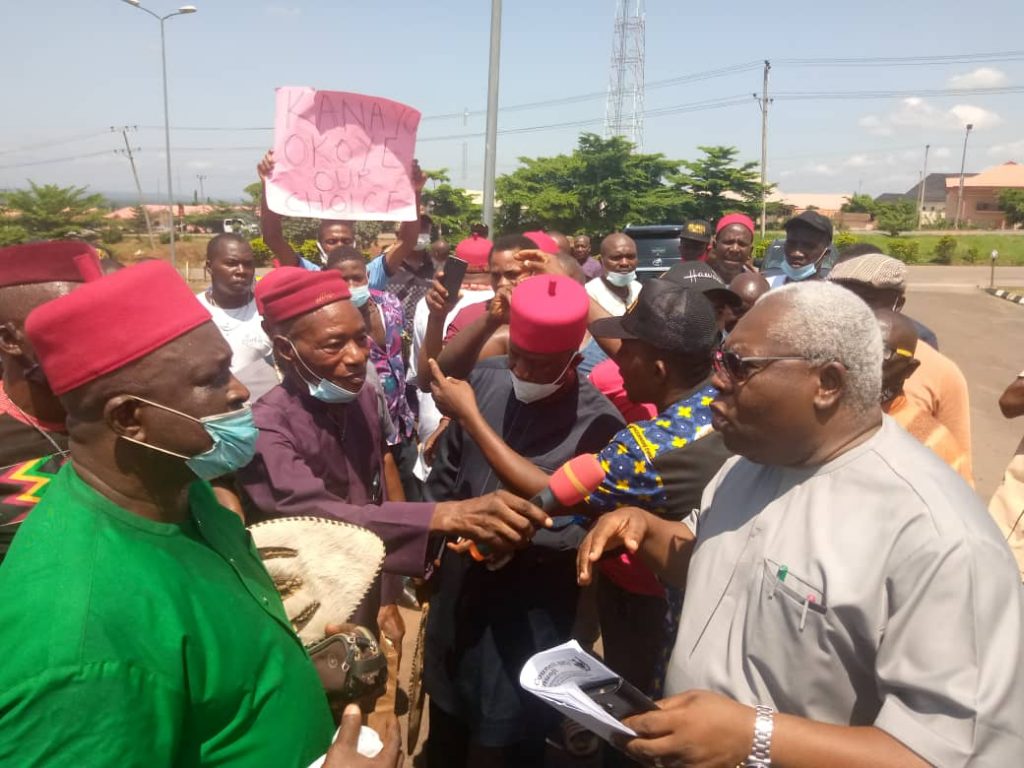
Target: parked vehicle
(657,247)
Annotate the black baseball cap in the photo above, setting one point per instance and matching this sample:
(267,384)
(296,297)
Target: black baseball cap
(697,229)
(666,316)
(814,220)
(698,275)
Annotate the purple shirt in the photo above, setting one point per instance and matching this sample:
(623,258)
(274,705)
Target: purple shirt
(325,460)
(592,268)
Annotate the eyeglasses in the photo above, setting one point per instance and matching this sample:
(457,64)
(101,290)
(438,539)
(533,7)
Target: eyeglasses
(742,369)
(891,353)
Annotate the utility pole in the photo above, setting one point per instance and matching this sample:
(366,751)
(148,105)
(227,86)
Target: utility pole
(920,196)
(201,177)
(491,143)
(135,175)
(465,146)
(960,190)
(763,102)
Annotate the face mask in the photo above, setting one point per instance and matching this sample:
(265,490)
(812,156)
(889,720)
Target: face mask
(232,433)
(799,273)
(529,392)
(621,279)
(325,391)
(360,294)
(422,242)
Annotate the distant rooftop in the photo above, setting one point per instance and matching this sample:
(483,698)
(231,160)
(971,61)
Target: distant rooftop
(1009,174)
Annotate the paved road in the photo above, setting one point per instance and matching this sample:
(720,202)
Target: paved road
(980,333)
(942,278)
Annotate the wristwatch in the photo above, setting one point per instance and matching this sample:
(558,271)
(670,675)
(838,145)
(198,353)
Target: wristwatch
(761,752)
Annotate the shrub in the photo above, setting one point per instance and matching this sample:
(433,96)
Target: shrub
(165,238)
(904,250)
(261,253)
(12,234)
(760,247)
(842,239)
(945,250)
(309,250)
(972,255)
(112,234)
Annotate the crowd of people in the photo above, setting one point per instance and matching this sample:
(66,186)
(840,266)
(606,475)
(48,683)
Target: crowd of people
(784,550)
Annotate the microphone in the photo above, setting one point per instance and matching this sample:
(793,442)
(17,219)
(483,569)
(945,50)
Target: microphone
(570,485)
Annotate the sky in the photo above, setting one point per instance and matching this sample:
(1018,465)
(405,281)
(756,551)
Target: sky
(74,68)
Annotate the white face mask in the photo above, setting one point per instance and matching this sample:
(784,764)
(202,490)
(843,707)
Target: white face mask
(621,279)
(422,242)
(530,392)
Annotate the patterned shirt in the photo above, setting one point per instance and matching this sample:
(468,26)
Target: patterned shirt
(390,364)
(31,452)
(630,476)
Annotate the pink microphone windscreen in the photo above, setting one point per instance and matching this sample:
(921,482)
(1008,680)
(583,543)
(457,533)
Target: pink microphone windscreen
(575,480)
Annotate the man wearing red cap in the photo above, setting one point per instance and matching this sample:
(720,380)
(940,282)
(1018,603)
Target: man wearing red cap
(33,439)
(140,625)
(732,246)
(483,623)
(320,448)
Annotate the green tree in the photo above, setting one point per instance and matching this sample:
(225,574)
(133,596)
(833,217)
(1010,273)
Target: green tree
(894,218)
(49,212)
(253,194)
(1011,202)
(12,234)
(858,204)
(602,186)
(716,184)
(451,208)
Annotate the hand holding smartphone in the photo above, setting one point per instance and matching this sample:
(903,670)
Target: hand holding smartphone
(451,278)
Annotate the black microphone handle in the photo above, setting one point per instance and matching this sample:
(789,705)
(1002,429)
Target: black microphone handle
(545,500)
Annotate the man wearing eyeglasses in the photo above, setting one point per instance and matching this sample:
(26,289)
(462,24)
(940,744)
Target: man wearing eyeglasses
(899,341)
(848,600)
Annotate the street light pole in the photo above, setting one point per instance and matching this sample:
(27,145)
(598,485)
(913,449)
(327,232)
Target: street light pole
(960,190)
(491,142)
(185,9)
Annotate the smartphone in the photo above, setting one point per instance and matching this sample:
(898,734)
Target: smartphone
(618,697)
(451,278)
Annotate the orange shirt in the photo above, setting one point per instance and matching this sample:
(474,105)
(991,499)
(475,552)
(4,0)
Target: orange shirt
(939,388)
(931,433)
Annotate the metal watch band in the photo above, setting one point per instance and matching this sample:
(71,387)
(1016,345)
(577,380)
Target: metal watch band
(761,752)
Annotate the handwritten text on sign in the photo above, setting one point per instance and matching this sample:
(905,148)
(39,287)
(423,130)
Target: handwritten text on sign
(342,156)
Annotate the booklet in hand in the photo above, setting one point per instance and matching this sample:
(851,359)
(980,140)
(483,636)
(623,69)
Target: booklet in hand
(583,689)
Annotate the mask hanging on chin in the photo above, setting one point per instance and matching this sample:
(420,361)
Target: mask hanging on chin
(621,279)
(233,434)
(798,274)
(325,391)
(528,392)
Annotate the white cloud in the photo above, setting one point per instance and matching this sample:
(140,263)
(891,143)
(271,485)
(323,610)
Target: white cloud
(283,10)
(198,165)
(858,161)
(915,113)
(1011,150)
(983,77)
(941,153)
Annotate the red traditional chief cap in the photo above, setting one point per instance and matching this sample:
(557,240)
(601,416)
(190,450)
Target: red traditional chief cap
(544,241)
(474,250)
(288,292)
(734,218)
(51,261)
(548,314)
(108,323)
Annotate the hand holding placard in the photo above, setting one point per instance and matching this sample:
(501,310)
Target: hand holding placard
(342,156)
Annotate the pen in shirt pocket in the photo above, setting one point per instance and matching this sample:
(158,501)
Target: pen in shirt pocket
(780,576)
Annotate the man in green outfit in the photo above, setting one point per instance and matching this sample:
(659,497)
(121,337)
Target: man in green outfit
(139,626)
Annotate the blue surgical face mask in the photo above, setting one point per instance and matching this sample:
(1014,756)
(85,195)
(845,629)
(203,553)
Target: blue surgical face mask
(360,295)
(620,279)
(233,434)
(799,273)
(325,391)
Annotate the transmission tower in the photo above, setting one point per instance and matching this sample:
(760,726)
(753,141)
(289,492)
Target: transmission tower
(624,114)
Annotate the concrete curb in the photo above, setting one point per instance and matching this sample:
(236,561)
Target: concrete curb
(999,293)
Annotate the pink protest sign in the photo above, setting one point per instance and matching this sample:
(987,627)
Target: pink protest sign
(342,156)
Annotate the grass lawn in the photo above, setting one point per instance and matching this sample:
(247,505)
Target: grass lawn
(1010,246)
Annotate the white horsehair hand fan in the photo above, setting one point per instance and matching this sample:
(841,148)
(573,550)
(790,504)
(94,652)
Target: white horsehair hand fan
(322,568)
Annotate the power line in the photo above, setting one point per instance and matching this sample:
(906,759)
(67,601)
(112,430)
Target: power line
(57,160)
(897,61)
(922,93)
(54,143)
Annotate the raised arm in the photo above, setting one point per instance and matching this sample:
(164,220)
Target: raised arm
(464,349)
(409,231)
(270,222)
(456,400)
